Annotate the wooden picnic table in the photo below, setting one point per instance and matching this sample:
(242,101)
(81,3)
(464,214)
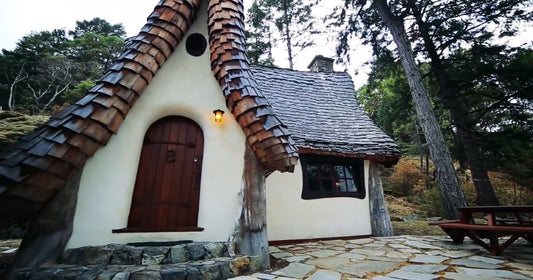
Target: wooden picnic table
(513,221)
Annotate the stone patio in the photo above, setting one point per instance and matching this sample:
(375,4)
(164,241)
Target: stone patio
(398,257)
(390,258)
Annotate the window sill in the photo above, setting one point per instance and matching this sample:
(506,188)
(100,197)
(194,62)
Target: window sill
(179,229)
(318,195)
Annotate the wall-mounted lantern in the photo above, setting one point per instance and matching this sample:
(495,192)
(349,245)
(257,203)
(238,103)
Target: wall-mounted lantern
(218,115)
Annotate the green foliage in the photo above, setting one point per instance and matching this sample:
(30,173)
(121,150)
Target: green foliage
(494,84)
(94,52)
(290,20)
(511,150)
(12,73)
(36,45)
(39,57)
(430,201)
(77,92)
(258,39)
(386,99)
(98,26)
(48,64)
(451,26)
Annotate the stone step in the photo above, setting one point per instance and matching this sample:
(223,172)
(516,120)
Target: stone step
(214,269)
(145,254)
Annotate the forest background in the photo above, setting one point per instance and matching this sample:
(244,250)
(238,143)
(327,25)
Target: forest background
(493,79)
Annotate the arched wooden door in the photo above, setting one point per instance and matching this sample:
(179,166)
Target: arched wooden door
(167,189)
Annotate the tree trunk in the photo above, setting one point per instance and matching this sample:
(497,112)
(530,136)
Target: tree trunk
(460,117)
(48,234)
(380,221)
(450,188)
(289,46)
(20,76)
(252,228)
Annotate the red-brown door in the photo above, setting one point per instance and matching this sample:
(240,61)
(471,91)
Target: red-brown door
(167,188)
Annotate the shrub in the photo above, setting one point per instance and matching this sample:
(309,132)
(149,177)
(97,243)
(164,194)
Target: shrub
(405,176)
(14,125)
(509,191)
(421,191)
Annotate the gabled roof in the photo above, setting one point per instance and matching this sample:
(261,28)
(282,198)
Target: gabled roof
(322,114)
(42,162)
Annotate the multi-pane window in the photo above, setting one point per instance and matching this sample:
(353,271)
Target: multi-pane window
(326,176)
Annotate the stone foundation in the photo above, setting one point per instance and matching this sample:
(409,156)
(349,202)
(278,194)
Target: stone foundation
(198,260)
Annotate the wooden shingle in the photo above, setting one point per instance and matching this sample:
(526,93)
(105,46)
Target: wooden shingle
(52,182)
(43,161)
(243,98)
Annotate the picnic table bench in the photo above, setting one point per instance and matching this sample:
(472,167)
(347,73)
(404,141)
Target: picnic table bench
(512,221)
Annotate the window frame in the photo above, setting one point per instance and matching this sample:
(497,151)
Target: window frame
(358,174)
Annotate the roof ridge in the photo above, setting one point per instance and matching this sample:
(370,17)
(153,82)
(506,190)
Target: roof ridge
(296,70)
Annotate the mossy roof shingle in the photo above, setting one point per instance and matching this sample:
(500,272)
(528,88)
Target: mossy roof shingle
(322,114)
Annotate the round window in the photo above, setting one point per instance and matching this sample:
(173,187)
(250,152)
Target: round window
(196,44)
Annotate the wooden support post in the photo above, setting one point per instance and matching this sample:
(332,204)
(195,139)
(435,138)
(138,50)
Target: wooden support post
(49,232)
(252,227)
(380,218)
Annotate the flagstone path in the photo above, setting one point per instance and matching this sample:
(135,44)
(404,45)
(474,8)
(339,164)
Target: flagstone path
(389,258)
(398,257)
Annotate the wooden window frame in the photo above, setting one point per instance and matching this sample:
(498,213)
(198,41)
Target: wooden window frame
(358,174)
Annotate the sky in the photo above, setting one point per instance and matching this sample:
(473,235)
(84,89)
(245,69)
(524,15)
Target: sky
(21,17)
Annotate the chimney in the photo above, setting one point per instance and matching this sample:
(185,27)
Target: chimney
(321,64)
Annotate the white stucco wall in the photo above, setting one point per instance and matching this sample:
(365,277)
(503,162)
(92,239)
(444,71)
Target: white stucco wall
(184,86)
(290,217)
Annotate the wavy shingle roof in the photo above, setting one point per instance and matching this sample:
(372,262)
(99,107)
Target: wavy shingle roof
(322,114)
(264,131)
(42,162)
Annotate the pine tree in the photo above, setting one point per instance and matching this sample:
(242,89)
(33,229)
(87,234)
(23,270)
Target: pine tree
(287,21)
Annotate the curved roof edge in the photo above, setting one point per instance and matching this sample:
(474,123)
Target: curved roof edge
(264,131)
(40,163)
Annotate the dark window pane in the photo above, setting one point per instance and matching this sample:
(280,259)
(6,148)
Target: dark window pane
(332,177)
(327,185)
(342,186)
(314,185)
(340,171)
(312,170)
(351,186)
(325,170)
(349,172)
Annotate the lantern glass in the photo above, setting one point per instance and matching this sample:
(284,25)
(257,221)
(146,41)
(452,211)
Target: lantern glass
(218,115)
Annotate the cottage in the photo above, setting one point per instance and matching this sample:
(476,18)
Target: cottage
(142,158)
(336,143)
